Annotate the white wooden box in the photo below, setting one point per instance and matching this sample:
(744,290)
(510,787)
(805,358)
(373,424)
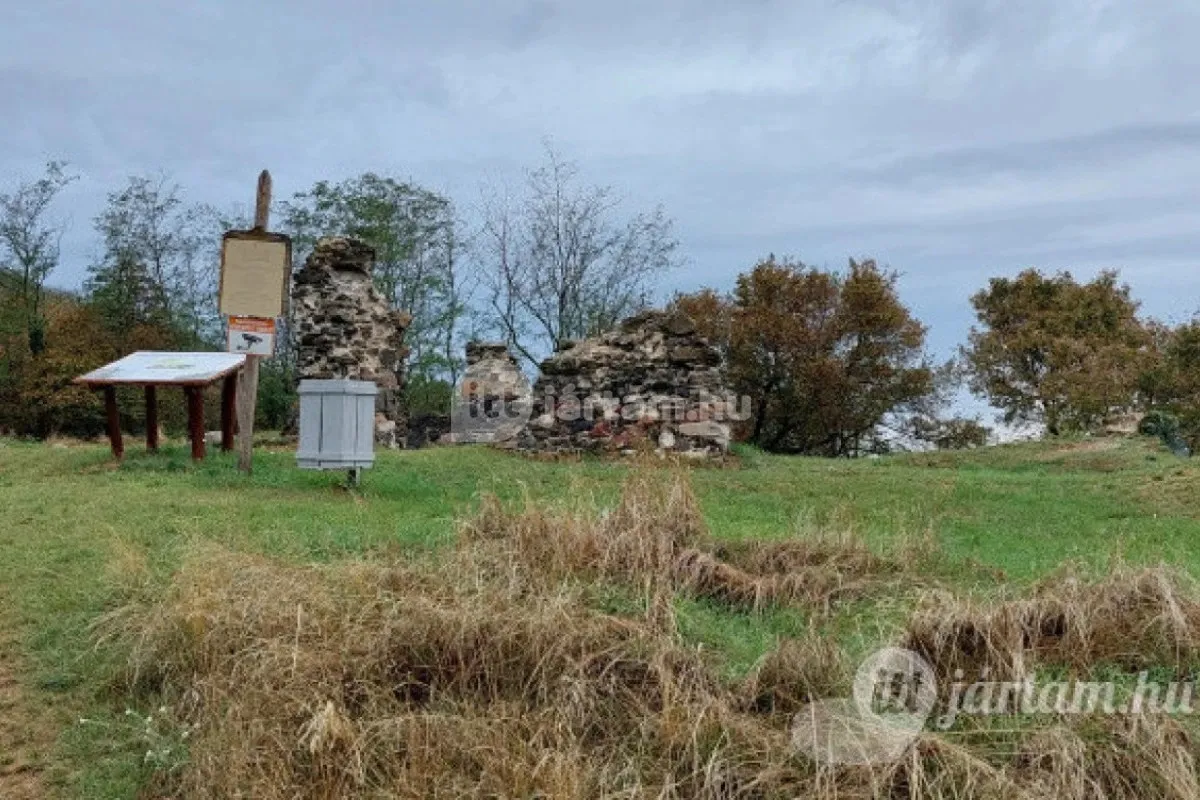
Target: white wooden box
(337,424)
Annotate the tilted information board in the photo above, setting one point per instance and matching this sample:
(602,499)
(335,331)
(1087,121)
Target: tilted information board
(149,366)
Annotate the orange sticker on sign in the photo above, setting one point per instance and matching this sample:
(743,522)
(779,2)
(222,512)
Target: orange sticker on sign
(253,324)
(253,336)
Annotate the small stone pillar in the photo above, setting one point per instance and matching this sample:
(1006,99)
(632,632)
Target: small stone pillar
(493,401)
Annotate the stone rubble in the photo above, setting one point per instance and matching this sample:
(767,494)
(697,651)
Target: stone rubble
(654,383)
(344,328)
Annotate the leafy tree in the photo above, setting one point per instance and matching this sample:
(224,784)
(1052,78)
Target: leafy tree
(277,397)
(428,396)
(159,263)
(1056,351)
(1172,381)
(824,357)
(417,247)
(556,263)
(1166,426)
(955,433)
(1156,381)
(29,247)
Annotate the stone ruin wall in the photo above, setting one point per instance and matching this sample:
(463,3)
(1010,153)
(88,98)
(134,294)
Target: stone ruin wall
(493,400)
(654,383)
(344,328)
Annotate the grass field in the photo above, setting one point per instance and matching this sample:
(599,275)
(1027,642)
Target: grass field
(80,535)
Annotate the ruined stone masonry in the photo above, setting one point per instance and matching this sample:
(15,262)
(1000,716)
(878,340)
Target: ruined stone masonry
(652,384)
(494,399)
(344,328)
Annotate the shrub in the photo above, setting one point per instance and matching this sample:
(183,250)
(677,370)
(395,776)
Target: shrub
(1166,427)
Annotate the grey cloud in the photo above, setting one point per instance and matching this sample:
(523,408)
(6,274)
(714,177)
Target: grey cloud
(1083,151)
(952,140)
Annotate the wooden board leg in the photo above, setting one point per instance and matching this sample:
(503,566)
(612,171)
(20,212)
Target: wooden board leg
(195,404)
(114,421)
(151,418)
(228,412)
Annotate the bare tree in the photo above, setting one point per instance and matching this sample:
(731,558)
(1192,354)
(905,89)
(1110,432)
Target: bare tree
(557,264)
(31,242)
(459,287)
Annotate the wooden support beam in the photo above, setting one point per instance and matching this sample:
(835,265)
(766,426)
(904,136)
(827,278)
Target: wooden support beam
(195,406)
(228,411)
(247,394)
(151,418)
(114,421)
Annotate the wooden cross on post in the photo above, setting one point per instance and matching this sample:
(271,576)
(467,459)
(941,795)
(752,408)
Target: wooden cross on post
(255,266)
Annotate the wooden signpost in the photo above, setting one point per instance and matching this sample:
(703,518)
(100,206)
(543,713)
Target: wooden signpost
(254,279)
(255,267)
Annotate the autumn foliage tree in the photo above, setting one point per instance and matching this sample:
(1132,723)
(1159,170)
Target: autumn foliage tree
(824,357)
(1171,383)
(37,393)
(1050,349)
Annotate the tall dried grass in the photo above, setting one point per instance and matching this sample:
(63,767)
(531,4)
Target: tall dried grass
(1135,618)
(488,672)
(656,537)
(372,680)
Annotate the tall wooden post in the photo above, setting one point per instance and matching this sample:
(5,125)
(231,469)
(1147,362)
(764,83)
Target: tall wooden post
(247,391)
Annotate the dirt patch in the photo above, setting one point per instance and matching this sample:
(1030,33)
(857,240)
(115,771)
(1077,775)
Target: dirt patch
(1088,446)
(24,735)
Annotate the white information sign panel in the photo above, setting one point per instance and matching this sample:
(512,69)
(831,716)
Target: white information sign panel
(150,366)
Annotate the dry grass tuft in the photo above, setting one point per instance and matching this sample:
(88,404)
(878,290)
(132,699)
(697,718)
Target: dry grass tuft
(796,672)
(841,551)
(1133,619)
(937,769)
(365,679)
(656,536)
(1118,758)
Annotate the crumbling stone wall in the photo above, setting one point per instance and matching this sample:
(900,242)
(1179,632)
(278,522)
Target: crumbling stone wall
(494,398)
(653,383)
(344,328)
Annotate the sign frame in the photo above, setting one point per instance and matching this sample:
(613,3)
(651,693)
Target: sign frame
(255,235)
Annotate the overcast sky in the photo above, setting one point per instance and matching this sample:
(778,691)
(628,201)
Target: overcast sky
(950,139)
